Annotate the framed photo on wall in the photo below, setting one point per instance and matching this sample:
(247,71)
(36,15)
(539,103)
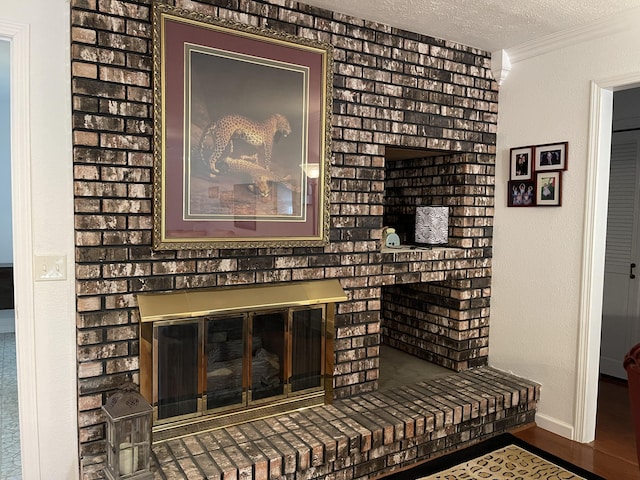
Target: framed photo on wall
(521,193)
(242,119)
(552,156)
(549,188)
(521,163)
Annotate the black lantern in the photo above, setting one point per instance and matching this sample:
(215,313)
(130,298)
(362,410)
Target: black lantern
(129,418)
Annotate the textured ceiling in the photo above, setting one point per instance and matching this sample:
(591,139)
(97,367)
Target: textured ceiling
(489,25)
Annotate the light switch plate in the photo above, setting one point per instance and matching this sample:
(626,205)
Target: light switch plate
(50,267)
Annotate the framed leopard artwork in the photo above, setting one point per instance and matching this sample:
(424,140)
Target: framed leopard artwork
(242,141)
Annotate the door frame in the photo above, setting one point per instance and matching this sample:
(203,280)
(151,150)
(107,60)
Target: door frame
(22,231)
(594,245)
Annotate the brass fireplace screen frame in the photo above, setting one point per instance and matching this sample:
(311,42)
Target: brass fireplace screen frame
(198,308)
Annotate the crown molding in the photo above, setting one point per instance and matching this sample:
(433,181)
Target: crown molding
(609,25)
(500,65)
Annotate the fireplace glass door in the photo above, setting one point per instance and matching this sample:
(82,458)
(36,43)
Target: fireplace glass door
(215,357)
(267,354)
(228,363)
(177,346)
(307,345)
(225,364)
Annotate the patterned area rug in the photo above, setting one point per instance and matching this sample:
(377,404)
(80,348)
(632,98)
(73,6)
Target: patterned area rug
(501,457)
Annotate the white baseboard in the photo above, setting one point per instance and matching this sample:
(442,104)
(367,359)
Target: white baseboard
(7,322)
(556,426)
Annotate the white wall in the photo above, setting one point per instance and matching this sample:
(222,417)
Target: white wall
(45,325)
(538,252)
(6,249)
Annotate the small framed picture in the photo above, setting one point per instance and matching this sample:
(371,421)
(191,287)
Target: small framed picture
(549,189)
(522,193)
(552,156)
(521,163)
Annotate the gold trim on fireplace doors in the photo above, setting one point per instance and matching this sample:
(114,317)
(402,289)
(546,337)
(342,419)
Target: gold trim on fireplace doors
(198,306)
(201,302)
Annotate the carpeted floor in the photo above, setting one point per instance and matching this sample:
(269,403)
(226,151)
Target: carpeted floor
(10,465)
(501,457)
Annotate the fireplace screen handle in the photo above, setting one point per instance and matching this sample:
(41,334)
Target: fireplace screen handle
(632,274)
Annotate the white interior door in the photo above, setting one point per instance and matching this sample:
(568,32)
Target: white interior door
(621,308)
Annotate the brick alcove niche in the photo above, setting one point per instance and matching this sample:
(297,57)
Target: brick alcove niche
(441,315)
(391,87)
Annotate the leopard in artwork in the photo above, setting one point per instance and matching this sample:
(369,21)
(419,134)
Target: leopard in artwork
(261,179)
(223,131)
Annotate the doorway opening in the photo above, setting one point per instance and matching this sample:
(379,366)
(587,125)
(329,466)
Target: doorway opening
(594,242)
(621,297)
(10,466)
(620,328)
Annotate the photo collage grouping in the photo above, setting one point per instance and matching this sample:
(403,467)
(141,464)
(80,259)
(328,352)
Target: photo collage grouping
(535,176)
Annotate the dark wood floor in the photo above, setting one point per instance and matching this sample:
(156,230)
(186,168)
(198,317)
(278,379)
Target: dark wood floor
(612,454)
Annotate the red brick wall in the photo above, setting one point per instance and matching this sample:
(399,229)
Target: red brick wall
(390,88)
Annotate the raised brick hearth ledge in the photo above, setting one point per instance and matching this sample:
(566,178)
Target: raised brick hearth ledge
(366,436)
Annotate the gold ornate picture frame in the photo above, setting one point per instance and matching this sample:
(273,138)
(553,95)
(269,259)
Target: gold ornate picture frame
(242,135)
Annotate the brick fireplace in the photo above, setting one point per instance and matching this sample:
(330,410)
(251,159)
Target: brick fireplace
(210,358)
(393,91)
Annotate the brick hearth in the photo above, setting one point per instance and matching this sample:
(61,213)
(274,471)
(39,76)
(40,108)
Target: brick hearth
(362,437)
